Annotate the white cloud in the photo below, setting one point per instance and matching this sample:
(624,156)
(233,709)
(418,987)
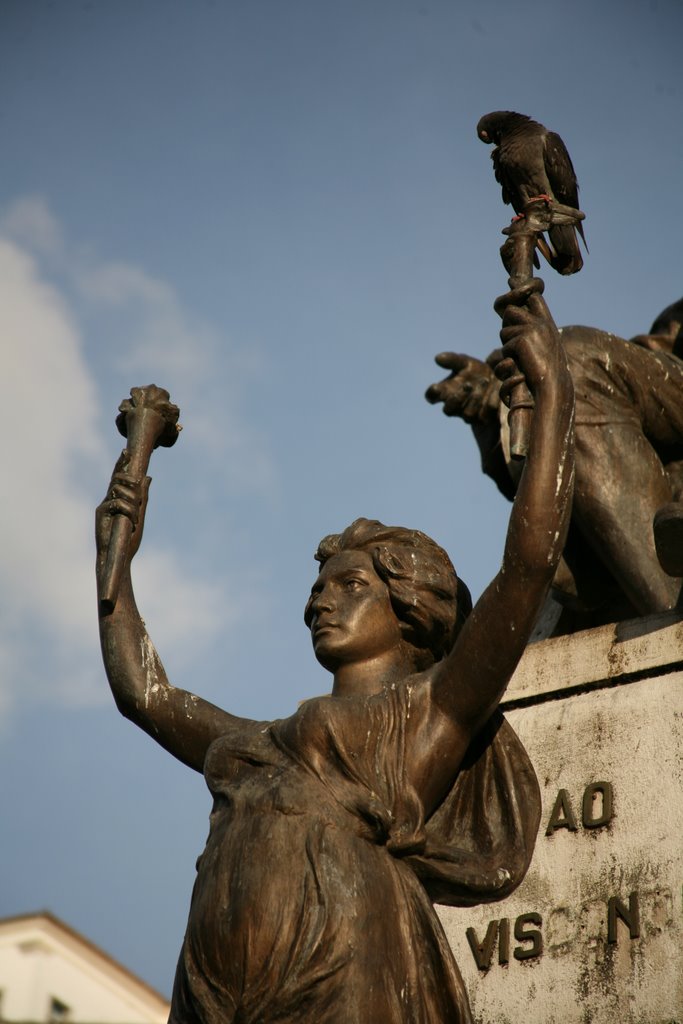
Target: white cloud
(30,222)
(163,334)
(197,617)
(165,343)
(119,283)
(53,447)
(49,417)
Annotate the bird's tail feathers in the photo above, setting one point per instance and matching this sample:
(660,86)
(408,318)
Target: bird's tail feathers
(566,256)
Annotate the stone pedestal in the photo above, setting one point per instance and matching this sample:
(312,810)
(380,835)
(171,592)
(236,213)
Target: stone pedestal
(594,935)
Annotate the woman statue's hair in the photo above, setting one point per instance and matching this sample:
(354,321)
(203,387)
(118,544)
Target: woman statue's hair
(429,600)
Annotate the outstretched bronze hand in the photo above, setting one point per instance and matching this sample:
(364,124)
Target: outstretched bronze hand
(470,391)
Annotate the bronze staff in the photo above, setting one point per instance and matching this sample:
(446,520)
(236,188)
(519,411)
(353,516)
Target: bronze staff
(517,253)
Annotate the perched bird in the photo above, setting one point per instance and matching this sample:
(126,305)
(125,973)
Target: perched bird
(530,162)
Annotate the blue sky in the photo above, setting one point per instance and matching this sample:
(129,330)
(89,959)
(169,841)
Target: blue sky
(280,211)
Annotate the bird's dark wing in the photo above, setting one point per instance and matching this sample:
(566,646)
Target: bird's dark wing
(562,177)
(503,179)
(560,171)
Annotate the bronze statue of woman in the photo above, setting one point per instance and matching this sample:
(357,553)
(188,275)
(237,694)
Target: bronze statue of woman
(333,830)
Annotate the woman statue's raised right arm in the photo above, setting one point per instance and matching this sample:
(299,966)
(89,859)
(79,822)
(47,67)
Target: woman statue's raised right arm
(182,723)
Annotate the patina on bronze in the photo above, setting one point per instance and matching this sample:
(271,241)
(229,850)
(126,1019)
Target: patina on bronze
(335,829)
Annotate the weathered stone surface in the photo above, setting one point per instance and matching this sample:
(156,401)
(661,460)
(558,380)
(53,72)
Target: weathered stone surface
(595,932)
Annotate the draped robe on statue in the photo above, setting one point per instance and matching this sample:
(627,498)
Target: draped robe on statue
(313,897)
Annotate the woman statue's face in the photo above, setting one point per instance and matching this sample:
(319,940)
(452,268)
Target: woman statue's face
(351,615)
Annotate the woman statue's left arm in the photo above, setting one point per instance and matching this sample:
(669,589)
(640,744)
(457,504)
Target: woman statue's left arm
(468,684)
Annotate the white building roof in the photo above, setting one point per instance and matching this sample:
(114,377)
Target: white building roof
(51,973)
